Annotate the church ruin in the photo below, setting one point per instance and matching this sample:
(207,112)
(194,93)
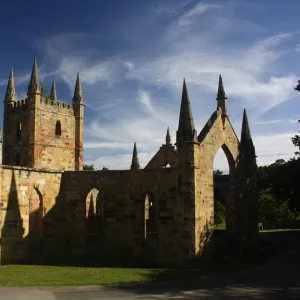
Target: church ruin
(50,207)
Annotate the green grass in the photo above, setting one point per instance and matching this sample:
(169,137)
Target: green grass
(27,275)
(43,275)
(279,230)
(88,274)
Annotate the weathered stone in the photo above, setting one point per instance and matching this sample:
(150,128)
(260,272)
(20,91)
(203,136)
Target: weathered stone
(51,208)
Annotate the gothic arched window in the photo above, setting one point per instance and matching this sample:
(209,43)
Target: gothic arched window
(58,128)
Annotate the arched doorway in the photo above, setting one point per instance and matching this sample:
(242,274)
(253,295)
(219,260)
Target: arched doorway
(94,212)
(150,217)
(36,208)
(221,176)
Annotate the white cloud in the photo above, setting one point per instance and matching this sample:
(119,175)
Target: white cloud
(200,8)
(18,79)
(267,122)
(119,162)
(269,148)
(198,45)
(243,72)
(145,98)
(272,147)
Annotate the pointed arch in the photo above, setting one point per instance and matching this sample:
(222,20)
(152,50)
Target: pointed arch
(217,133)
(19,131)
(94,214)
(58,128)
(150,216)
(36,211)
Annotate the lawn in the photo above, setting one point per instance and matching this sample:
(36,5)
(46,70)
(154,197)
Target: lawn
(88,274)
(32,275)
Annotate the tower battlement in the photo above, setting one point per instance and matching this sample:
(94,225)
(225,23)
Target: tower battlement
(42,132)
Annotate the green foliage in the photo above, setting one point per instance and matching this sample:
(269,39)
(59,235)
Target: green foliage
(92,168)
(267,205)
(220,212)
(296,142)
(44,91)
(89,167)
(218,172)
(279,191)
(283,179)
(296,138)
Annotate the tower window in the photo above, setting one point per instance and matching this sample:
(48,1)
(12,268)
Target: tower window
(19,131)
(58,128)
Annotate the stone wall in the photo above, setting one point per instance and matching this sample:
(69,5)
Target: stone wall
(166,156)
(57,151)
(27,196)
(123,231)
(220,134)
(30,132)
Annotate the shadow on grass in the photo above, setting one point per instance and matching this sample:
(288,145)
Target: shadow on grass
(272,274)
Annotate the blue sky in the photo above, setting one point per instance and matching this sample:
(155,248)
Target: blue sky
(133,55)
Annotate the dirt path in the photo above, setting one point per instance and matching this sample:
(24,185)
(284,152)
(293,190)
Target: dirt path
(279,279)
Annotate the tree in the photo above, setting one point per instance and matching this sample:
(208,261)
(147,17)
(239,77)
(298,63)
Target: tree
(44,90)
(296,138)
(267,205)
(89,167)
(220,213)
(218,172)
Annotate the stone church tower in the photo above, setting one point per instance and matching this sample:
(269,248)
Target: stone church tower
(43,133)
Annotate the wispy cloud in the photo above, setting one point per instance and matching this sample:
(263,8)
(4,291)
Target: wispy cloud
(192,14)
(145,98)
(134,95)
(18,79)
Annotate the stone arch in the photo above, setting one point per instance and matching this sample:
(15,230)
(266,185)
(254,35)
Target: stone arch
(217,133)
(150,216)
(94,213)
(58,128)
(36,213)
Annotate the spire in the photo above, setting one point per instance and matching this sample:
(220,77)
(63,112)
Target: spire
(221,92)
(246,142)
(221,96)
(34,85)
(168,137)
(10,95)
(186,129)
(245,127)
(135,160)
(53,95)
(78,90)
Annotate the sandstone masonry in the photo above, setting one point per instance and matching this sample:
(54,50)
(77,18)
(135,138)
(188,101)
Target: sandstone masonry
(50,207)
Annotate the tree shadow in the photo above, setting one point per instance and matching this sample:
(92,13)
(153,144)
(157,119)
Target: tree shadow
(273,274)
(12,243)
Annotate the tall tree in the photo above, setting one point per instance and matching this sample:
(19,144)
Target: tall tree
(296,138)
